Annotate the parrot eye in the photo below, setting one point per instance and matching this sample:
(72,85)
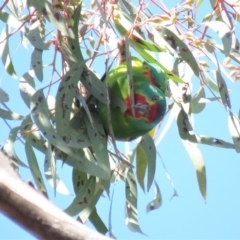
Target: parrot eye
(155,98)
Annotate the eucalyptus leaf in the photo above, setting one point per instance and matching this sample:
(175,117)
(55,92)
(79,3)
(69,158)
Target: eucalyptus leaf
(197,160)
(33,164)
(82,198)
(41,117)
(157,201)
(36,63)
(5,53)
(10,115)
(55,18)
(224,32)
(33,35)
(131,203)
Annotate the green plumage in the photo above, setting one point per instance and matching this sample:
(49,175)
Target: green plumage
(149,84)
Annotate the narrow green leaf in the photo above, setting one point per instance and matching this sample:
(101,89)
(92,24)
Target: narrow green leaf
(195,105)
(10,115)
(3,96)
(33,164)
(27,87)
(216,142)
(93,84)
(141,165)
(73,43)
(199,3)
(186,133)
(9,148)
(223,89)
(78,132)
(210,82)
(36,63)
(149,148)
(66,91)
(131,202)
(28,128)
(97,222)
(50,171)
(197,160)
(210,44)
(98,141)
(234,127)
(82,198)
(5,54)
(184,127)
(86,212)
(157,201)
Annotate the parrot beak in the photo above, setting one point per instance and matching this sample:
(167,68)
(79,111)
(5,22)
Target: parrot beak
(142,109)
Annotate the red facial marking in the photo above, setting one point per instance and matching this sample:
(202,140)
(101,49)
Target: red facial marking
(138,99)
(141,99)
(153,112)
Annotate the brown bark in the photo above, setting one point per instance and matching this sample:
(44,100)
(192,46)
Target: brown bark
(29,208)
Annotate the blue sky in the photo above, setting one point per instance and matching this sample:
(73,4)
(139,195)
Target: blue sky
(187,216)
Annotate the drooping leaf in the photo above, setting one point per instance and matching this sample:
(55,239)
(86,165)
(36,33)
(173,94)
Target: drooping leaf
(66,91)
(98,141)
(197,160)
(5,53)
(184,127)
(3,96)
(87,211)
(97,222)
(73,43)
(9,148)
(27,87)
(141,165)
(96,87)
(195,105)
(157,201)
(234,128)
(82,198)
(33,164)
(50,171)
(131,202)
(186,133)
(223,89)
(10,115)
(149,148)
(28,128)
(36,63)
(78,132)
(210,82)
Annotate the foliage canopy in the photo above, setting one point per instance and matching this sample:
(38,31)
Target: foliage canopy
(68,41)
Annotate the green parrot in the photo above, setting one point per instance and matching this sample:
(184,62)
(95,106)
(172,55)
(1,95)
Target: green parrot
(149,85)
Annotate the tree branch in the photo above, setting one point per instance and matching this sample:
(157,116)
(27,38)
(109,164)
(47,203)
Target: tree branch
(29,208)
